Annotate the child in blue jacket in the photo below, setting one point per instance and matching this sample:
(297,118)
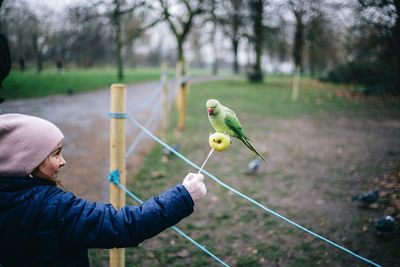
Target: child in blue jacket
(43,225)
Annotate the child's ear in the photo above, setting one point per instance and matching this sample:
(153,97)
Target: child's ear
(39,169)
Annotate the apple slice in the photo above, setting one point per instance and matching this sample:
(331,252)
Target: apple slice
(219,141)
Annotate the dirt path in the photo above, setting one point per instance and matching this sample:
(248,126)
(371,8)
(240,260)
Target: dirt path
(83,120)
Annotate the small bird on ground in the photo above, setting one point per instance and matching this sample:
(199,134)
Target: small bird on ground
(367,198)
(168,152)
(224,120)
(386,224)
(253,166)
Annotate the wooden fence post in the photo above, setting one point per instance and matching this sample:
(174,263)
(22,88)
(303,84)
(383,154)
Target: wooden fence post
(296,84)
(165,103)
(182,94)
(117,160)
(181,97)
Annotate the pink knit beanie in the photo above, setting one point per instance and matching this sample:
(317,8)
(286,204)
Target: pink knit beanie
(25,142)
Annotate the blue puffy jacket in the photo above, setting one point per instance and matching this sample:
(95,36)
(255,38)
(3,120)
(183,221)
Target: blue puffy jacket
(43,225)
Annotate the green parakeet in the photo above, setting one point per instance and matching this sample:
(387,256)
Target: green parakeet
(224,120)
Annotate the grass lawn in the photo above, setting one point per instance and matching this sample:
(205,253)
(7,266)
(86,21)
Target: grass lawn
(30,84)
(323,148)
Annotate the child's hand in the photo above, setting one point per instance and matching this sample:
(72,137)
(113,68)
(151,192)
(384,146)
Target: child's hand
(194,185)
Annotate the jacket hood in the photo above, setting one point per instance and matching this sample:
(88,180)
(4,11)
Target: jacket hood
(14,190)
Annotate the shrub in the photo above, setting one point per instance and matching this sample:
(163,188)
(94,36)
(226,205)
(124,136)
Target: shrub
(255,76)
(375,78)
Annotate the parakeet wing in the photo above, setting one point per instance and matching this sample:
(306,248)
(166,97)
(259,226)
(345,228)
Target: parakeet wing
(233,123)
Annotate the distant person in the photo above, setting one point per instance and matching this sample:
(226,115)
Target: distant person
(60,66)
(5,61)
(43,225)
(22,65)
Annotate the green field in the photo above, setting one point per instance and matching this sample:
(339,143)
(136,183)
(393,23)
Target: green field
(304,141)
(30,84)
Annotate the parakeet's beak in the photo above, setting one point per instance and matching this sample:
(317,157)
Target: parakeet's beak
(210,111)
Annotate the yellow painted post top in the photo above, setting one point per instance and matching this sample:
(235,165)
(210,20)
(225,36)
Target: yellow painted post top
(182,107)
(120,85)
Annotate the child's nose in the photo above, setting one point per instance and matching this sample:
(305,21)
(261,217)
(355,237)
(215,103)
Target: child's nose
(62,161)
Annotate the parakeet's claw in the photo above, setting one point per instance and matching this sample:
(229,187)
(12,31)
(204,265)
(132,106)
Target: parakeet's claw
(225,133)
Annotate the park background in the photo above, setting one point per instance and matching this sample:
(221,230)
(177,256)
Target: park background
(315,84)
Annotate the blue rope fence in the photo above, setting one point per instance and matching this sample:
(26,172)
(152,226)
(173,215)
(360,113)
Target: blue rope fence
(132,148)
(250,199)
(189,162)
(147,101)
(114,178)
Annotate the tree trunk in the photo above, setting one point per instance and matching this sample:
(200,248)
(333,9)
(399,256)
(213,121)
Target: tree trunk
(120,64)
(259,34)
(215,50)
(235,45)
(118,41)
(298,53)
(296,84)
(257,10)
(181,58)
(298,41)
(36,48)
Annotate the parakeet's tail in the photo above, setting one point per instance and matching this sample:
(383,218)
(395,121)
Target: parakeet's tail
(252,148)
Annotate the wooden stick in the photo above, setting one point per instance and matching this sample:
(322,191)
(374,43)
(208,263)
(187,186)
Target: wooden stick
(117,160)
(204,163)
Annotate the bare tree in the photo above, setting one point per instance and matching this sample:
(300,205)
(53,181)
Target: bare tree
(27,30)
(300,9)
(213,35)
(232,18)
(88,35)
(119,9)
(116,12)
(321,51)
(180,24)
(277,43)
(256,37)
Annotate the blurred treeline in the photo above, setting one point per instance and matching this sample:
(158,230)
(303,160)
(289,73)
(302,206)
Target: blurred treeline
(341,40)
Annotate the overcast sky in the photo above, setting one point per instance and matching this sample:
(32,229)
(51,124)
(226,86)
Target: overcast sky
(60,5)
(53,4)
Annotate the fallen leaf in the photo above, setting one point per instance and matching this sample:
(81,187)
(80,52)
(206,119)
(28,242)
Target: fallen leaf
(157,174)
(373,206)
(396,203)
(214,198)
(183,253)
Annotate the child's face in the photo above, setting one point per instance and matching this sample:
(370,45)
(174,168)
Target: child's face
(51,166)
